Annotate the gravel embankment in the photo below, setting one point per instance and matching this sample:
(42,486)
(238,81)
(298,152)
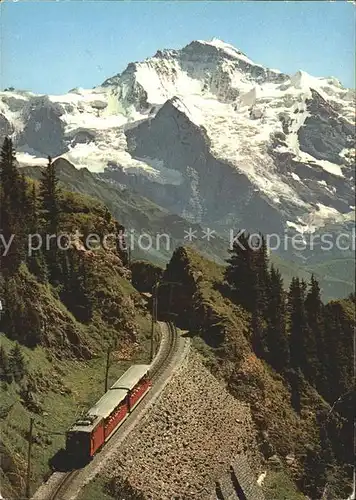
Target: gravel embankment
(188,440)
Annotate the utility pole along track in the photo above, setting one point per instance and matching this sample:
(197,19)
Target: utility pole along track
(59,483)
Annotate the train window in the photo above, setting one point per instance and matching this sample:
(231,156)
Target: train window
(115,412)
(77,441)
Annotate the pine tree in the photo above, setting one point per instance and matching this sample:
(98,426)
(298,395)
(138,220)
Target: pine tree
(17,363)
(9,175)
(31,325)
(339,332)
(36,262)
(37,266)
(21,320)
(84,306)
(247,275)
(25,198)
(260,269)
(314,472)
(23,214)
(107,216)
(295,380)
(49,193)
(240,273)
(258,334)
(302,341)
(259,300)
(5,370)
(298,322)
(33,215)
(121,245)
(76,288)
(11,215)
(276,336)
(315,315)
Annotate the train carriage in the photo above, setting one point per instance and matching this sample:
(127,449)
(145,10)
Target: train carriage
(136,382)
(89,433)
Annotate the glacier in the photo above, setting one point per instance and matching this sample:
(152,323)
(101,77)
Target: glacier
(205,132)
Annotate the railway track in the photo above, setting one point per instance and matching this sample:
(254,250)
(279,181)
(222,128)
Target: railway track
(62,485)
(165,356)
(166,353)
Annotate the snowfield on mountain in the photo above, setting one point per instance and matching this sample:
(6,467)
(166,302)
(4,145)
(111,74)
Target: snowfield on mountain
(206,133)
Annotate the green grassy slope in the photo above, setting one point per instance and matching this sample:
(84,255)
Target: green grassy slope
(62,389)
(65,370)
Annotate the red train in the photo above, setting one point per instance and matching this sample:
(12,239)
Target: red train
(90,432)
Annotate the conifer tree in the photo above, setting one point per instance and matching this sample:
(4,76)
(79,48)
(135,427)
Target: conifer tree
(17,363)
(121,245)
(314,472)
(21,320)
(36,262)
(37,265)
(84,306)
(315,315)
(259,300)
(260,266)
(5,370)
(258,333)
(31,325)
(247,275)
(9,175)
(23,214)
(339,333)
(302,341)
(107,216)
(25,199)
(11,215)
(240,273)
(297,322)
(276,337)
(76,293)
(294,378)
(49,193)
(33,215)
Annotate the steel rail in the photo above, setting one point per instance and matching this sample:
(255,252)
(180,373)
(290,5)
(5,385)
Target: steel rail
(165,358)
(64,483)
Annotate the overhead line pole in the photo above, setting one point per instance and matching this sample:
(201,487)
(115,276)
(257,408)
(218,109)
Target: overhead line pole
(154,317)
(28,475)
(107,368)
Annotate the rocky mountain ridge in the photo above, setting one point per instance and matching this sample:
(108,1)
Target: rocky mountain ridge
(208,134)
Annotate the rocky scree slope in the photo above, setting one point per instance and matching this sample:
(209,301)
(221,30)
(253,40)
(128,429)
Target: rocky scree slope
(187,441)
(287,434)
(206,133)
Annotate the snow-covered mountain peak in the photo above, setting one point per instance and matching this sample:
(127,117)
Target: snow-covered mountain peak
(226,49)
(193,117)
(301,79)
(200,68)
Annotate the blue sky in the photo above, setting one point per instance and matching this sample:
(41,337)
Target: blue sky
(51,47)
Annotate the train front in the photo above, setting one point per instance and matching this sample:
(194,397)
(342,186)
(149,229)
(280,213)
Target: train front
(78,441)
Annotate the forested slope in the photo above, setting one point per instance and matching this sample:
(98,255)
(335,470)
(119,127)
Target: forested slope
(64,306)
(284,352)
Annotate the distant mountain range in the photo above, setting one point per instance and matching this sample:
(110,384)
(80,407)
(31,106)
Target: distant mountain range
(210,136)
